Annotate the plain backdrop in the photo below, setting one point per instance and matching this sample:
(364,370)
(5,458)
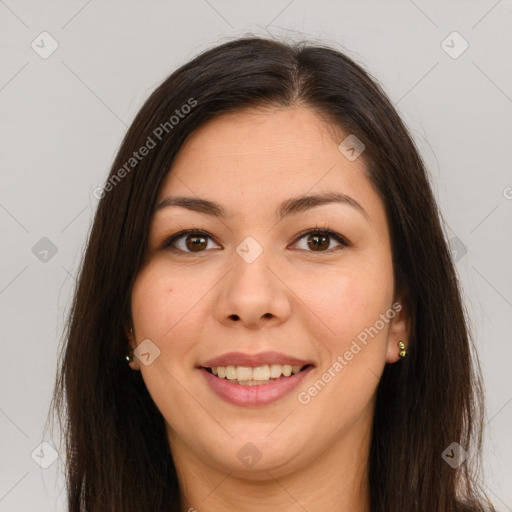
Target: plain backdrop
(74,74)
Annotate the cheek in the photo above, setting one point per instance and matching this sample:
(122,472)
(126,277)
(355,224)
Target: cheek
(167,307)
(161,309)
(159,305)
(152,301)
(345,301)
(161,297)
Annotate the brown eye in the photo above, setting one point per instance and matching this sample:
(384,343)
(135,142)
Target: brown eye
(195,243)
(319,240)
(189,241)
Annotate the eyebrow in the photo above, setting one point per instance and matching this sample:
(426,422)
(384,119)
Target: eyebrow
(291,206)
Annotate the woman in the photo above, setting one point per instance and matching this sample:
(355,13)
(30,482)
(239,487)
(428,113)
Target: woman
(267,315)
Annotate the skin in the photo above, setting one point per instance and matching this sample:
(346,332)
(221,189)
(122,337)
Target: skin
(293,299)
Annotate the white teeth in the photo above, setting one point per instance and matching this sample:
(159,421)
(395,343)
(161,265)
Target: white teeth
(243,373)
(231,372)
(260,373)
(252,376)
(275,371)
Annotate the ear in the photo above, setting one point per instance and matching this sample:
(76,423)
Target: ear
(132,344)
(399,329)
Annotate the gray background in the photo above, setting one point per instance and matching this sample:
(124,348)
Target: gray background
(64,116)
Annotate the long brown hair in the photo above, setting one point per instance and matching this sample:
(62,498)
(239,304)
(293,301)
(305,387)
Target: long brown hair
(118,456)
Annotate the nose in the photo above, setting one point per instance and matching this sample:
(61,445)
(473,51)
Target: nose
(253,294)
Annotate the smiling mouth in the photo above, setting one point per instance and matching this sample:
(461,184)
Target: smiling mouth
(255,375)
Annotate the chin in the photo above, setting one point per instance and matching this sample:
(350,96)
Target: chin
(255,456)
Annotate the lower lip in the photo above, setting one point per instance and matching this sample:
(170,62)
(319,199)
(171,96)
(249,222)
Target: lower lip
(251,396)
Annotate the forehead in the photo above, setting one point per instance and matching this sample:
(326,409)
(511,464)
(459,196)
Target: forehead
(250,159)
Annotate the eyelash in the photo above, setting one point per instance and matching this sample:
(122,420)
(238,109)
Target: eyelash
(322,231)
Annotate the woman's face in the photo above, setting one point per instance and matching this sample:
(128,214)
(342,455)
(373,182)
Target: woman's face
(253,294)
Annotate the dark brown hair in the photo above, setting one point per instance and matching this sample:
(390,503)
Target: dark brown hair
(118,456)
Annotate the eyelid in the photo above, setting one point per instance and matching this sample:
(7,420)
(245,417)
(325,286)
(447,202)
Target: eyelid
(167,244)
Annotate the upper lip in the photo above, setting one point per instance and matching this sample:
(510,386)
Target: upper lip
(241,359)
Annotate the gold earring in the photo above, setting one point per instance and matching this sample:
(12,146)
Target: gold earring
(129,358)
(403,351)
